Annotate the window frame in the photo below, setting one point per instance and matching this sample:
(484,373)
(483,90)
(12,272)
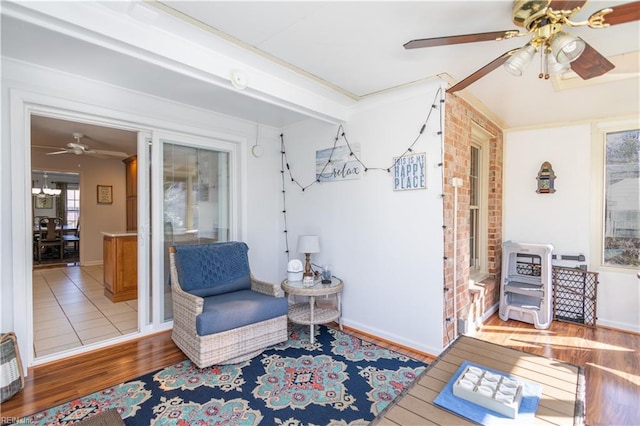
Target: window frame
(599,133)
(480,139)
(77,210)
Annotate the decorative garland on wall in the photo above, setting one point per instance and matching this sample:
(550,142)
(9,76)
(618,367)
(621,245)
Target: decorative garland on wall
(284,162)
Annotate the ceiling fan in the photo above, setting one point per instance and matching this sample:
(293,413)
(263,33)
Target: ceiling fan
(543,21)
(78,148)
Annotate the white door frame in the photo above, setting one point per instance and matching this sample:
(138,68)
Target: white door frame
(22,105)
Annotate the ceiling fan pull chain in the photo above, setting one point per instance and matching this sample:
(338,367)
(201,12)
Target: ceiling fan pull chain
(542,63)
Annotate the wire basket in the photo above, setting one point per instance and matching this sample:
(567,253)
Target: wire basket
(12,378)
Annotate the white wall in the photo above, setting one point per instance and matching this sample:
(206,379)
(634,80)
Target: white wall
(95,218)
(564,218)
(387,246)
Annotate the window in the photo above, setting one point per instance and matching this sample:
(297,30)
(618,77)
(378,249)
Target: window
(478,203)
(622,199)
(474,209)
(73,207)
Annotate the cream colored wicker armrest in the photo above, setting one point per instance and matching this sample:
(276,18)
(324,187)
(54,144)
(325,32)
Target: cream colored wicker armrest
(189,303)
(266,287)
(186,300)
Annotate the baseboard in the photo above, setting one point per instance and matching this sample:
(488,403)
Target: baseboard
(392,338)
(470,329)
(493,309)
(92,263)
(618,326)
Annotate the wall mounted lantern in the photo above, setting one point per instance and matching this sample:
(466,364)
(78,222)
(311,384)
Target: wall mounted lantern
(546,178)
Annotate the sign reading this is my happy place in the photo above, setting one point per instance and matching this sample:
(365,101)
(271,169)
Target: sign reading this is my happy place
(409,172)
(342,166)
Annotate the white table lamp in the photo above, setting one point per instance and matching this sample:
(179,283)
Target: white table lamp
(308,244)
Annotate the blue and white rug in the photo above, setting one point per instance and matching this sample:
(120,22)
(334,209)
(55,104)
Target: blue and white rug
(339,380)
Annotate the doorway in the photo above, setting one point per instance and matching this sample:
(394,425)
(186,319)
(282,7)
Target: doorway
(70,309)
(191,195)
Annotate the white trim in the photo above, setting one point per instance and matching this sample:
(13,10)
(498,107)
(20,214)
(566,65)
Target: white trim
(481,138)
(621,326)
(144,255)
(598,147)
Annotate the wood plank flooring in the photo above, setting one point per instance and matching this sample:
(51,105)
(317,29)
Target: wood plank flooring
(611,360)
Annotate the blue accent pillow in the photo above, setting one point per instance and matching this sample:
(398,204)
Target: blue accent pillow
(215,268)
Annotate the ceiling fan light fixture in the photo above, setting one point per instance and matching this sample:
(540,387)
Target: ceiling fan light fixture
(517,63)
(555,67)
(566,48)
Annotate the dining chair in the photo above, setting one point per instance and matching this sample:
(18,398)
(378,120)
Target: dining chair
(50,236)
(72,243)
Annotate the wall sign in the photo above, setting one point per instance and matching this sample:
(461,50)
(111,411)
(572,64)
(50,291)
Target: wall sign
(43,202)
(409,172)
(105,194)
(338,163)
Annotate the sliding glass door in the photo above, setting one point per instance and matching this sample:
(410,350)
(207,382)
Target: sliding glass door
(195,201)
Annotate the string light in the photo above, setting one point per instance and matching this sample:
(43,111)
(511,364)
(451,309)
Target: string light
(284,161)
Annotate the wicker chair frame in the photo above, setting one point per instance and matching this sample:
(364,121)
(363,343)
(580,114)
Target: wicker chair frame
(227,347)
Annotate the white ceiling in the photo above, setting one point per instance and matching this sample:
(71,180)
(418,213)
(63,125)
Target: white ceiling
(52,134)
(357,46)
(353,49)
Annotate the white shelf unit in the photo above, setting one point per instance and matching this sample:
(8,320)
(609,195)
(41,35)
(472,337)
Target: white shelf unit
(526,292)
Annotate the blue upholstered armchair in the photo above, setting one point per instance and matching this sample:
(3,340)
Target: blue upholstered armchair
(221,313)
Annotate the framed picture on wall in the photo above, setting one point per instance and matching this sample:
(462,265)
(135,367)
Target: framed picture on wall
(43,202)
(105,194)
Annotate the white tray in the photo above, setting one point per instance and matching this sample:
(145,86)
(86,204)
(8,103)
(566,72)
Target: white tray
(490,390)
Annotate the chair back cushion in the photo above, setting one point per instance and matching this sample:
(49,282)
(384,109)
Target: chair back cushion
(210,269)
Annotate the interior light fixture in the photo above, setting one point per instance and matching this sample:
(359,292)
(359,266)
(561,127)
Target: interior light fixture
(566,48)
(555,67)
(308,244)
(239,79)
(520,60)
(45,190)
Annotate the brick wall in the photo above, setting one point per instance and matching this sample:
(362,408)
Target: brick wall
(459,116)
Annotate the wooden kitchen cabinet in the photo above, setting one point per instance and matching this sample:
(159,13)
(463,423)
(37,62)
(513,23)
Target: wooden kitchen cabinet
(120,257)
(131,192)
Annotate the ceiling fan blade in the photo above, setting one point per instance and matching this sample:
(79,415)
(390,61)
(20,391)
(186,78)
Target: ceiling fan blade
(58,152)
(621,14)
(102,152)
(482,71)
(566,4)
(591,64)
(459,39)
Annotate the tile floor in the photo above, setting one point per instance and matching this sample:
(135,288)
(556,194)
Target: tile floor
(70,309)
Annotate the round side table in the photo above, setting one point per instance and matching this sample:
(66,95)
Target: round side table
(309,313)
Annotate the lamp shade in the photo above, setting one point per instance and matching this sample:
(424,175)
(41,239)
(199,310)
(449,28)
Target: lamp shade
(518,61)
(566,48)
(554,66)
(308,244)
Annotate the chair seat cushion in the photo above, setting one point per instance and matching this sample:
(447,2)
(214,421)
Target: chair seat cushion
(236,309)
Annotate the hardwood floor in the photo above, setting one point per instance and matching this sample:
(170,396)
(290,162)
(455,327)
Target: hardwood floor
(611,360)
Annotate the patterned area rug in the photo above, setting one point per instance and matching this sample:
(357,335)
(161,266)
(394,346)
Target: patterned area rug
(339,380)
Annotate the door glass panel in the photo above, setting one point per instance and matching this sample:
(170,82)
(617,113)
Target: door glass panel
(196,202)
